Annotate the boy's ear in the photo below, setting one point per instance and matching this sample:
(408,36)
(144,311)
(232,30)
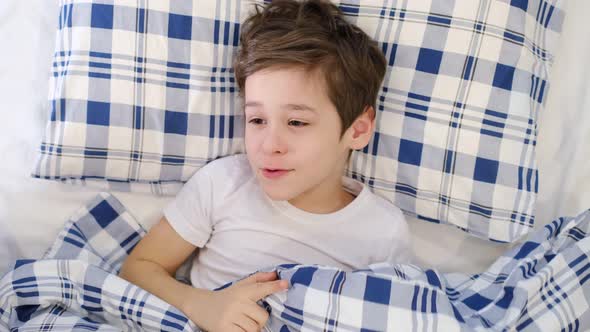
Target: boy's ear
(361,130)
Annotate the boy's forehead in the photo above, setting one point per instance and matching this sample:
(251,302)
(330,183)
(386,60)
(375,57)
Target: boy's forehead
(304,107)
(292,75)
(296,86)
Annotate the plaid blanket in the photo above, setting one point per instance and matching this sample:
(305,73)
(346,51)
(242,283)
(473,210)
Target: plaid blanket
(539,285)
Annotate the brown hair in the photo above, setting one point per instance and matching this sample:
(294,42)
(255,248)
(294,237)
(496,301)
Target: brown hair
(313,34)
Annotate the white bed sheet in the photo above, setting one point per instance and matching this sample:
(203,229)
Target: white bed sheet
(33,211)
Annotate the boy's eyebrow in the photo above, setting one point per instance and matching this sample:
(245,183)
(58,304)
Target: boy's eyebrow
(298,107)
(252,104)
(301,107)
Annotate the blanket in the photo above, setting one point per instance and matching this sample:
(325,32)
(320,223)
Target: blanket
(539,285)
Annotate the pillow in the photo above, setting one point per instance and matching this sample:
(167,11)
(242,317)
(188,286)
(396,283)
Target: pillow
(142,95)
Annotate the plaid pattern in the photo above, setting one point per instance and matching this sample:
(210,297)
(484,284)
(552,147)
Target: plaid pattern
(75,286)
(539,285)
(142,95)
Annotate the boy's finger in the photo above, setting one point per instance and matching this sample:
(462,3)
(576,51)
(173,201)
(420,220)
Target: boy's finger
(263,289)
(259,277)
(257,313)
(247,323)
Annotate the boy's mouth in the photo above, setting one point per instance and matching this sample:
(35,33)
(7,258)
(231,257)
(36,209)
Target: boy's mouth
(274,173)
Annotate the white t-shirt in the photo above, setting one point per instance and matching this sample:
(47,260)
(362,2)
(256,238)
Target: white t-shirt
(239,230)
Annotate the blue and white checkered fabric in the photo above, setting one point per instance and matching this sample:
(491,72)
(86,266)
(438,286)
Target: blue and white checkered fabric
(539,285)
(142,95)
(75,286)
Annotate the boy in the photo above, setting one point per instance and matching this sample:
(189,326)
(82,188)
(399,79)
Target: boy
(309,82)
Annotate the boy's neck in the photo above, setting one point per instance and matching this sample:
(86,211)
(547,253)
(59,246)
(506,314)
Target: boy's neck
(323,199)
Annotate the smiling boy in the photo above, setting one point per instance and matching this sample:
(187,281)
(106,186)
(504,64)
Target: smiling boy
(293,139)
(308,82)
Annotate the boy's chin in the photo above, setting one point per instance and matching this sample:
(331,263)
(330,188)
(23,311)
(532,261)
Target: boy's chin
(276,194)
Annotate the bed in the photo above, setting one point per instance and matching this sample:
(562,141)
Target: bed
(33,211)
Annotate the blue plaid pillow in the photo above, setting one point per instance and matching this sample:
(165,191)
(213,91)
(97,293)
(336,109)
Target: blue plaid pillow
(142,95)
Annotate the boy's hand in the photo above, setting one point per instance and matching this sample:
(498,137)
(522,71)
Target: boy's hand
(234,308)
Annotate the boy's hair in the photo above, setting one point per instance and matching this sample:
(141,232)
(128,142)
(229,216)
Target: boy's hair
(314,35)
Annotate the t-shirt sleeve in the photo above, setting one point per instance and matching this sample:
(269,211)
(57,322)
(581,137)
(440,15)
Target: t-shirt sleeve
(190,211)
(401,246)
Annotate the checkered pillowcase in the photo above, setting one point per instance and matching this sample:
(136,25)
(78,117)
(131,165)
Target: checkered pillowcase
(142,95)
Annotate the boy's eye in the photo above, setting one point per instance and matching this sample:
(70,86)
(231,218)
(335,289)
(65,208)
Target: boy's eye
(297,123)
(256,121)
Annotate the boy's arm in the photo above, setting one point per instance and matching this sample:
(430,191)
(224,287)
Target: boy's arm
(153,263)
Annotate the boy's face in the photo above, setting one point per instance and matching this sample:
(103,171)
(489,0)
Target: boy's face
(292,135)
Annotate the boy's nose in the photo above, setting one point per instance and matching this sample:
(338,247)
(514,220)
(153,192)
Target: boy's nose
(273,142)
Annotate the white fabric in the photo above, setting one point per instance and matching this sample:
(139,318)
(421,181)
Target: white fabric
(223,211)
(563,146)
